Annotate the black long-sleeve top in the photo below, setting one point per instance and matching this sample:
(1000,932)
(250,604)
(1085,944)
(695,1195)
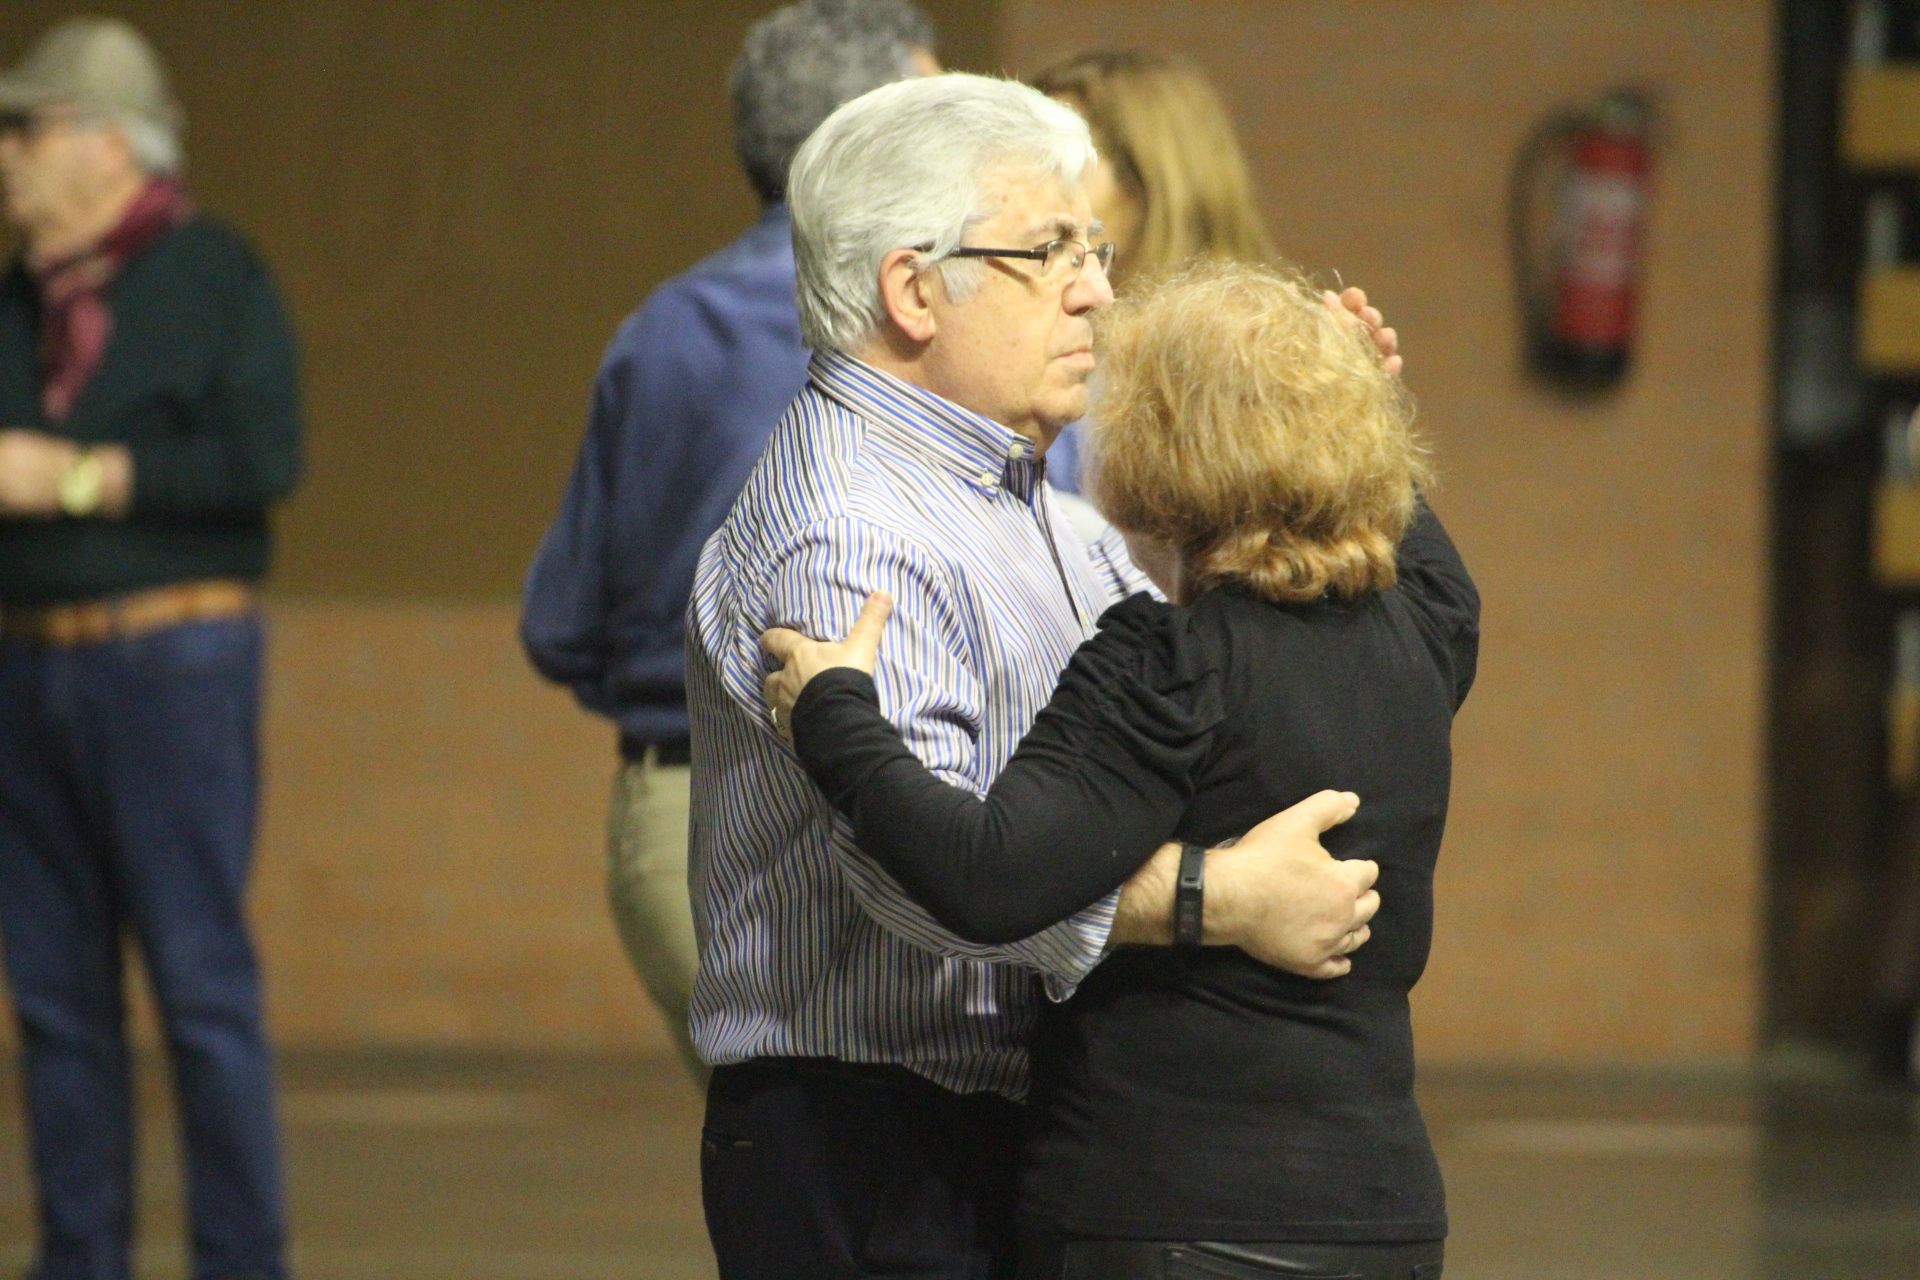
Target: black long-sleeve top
(1200,1094)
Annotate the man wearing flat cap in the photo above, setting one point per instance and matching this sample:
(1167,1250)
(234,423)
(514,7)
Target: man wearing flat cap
(148,418)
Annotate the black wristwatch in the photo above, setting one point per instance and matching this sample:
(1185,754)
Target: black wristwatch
(1189,896)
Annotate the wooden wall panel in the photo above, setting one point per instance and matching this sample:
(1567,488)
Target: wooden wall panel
(1880,118)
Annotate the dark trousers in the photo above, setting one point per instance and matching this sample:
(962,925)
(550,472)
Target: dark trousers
(1044,1258)
(819,1170)
(128,781)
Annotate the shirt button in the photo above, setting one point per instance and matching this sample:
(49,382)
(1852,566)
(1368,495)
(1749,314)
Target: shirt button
(989,479)
(1017,450)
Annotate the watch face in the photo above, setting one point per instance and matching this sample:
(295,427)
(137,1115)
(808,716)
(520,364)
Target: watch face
(80,488)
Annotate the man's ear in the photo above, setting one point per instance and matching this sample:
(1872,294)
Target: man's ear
(907,294)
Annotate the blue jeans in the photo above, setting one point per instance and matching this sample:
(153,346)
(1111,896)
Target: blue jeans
(128,786)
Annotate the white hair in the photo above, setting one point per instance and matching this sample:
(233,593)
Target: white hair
(902,167)
(155,146)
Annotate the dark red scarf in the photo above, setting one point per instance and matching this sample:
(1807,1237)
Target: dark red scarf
(75,321)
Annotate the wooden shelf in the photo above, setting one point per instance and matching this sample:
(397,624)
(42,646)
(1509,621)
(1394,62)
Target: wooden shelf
(1903,738)
(1880,117)
(1890,321)
(1896,535)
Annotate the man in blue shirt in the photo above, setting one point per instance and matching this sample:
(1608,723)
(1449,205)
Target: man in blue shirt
(688,391)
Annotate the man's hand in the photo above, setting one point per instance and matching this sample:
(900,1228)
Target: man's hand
(1385,340)
(31,465)
(1277,894)
(1284,900)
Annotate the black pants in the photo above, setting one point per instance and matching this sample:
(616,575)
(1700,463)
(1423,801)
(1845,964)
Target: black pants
(1045,1259)
(815,1168)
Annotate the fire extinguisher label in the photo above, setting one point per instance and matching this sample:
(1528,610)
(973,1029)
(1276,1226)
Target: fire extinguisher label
(1600,239)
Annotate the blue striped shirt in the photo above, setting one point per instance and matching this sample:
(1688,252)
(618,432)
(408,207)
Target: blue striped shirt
(806,948)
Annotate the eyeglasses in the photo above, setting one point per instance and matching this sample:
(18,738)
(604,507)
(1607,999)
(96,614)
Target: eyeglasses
(1057,258)
(30,125)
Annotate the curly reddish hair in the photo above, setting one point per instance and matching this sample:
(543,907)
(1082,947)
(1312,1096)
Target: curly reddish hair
(1246,425)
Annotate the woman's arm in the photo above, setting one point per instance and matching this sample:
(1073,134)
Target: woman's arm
(1097,785)
(1433,574)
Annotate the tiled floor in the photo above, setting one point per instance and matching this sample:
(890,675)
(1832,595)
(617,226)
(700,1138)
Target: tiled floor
(571,1169)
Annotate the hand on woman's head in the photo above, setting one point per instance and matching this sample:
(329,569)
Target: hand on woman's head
(1386,341)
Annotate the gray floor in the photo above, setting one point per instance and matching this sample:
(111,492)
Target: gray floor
(571,1169)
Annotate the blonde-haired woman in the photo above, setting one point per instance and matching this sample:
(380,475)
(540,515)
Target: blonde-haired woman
(1194,1111)
(1172,183)
(1172,186)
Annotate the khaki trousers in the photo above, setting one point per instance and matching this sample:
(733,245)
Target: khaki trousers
(647,888)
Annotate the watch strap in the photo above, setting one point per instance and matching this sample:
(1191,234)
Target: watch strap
(1189,897)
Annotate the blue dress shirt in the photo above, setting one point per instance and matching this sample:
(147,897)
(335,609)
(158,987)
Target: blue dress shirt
(1063,457)
(688,391)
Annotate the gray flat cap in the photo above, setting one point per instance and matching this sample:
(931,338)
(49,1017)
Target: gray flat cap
(95,65)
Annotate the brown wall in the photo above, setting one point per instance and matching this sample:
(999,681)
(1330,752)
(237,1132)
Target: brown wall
(463,199)
(1599,889)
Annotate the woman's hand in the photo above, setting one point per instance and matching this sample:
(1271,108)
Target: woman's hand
(806,658)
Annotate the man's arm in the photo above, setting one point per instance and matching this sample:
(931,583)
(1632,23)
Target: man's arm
(1277,894)
(563,604)
(244,452)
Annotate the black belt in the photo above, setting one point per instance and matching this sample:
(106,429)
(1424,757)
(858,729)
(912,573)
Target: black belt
(633,750)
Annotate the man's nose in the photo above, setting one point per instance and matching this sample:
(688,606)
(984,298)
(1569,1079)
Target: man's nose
(1090,289)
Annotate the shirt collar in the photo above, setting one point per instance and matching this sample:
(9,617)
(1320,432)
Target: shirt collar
(977,449)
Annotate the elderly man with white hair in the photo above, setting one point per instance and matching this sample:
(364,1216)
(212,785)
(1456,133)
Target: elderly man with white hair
(862,1116)
(148,418)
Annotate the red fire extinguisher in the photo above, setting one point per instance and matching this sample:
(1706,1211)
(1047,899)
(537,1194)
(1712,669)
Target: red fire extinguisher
(1579,207)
